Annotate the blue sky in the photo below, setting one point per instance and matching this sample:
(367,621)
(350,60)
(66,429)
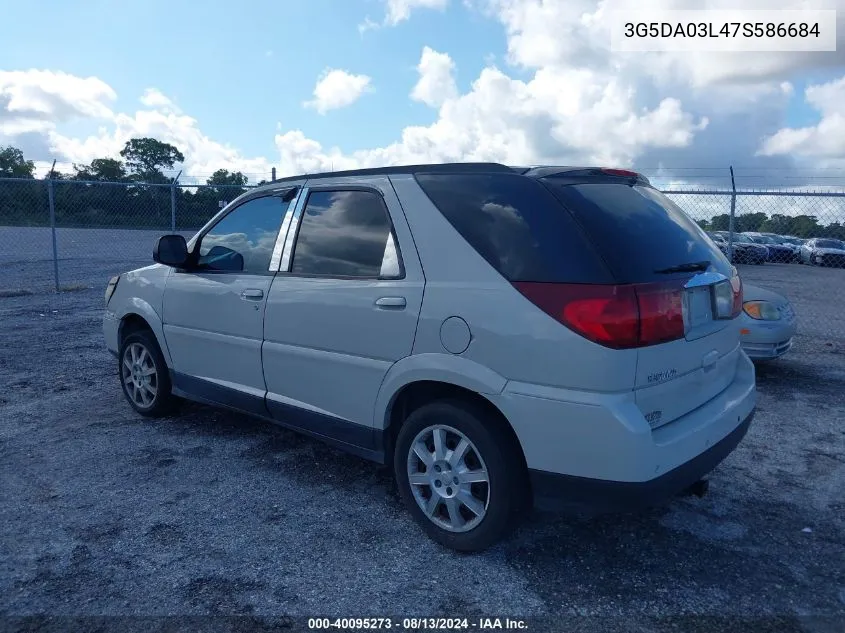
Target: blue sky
(221,59)
(518,81)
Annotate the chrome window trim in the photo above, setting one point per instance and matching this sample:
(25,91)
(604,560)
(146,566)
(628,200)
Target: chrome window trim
(278,247)
(290,236)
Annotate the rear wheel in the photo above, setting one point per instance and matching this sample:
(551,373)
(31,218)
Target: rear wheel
(459,475)
(144,376)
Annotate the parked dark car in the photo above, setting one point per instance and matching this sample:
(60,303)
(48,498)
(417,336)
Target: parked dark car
(744,250)
(778,252)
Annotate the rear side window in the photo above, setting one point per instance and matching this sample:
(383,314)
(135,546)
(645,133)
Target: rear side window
(515,224)
(346,234)
(638,230)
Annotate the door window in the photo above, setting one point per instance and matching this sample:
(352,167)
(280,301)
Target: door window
(243,240)
(346,234)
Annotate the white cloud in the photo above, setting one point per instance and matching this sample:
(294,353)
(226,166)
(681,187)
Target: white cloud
(397,11)
(36,100)
(825,140)
(338,89)
(153,98)
(437,81)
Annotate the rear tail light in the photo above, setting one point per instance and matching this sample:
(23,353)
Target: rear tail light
(620,316)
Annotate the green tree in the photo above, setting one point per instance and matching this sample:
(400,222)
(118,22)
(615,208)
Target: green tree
(225,177)
(14,165)
(836,230)
(778,223)
(704,224)
(805,226)
(749,222)
(147,157)
(101,170)
(721,222)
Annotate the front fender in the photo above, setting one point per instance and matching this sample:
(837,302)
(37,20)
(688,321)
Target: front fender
(446,368)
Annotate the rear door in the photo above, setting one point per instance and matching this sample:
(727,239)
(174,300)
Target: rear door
(343,308)
(645,237)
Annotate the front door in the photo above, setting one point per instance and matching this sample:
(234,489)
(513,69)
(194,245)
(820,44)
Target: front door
(213,314)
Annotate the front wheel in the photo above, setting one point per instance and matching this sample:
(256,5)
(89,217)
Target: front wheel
(144,376)
(459,475)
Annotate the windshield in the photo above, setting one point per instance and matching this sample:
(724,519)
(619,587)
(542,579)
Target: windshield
(792,240)
(763,239)
(744,239)
(830,244)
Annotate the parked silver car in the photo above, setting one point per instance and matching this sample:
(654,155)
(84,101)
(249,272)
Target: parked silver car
(500,336)
(768,323)
(823,251)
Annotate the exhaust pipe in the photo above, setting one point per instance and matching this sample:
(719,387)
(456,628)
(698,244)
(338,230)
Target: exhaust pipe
(698,489)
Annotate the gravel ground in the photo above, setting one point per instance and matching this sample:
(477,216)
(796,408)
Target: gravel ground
(104,513)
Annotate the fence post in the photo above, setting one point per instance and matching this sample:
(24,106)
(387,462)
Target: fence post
(173,202)
(51,200)
(731,221)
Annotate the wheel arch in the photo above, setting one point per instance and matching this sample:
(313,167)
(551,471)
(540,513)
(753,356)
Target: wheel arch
(141,315)
(417,380)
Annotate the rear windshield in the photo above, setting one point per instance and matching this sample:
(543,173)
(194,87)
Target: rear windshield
(517,225)
(638,230)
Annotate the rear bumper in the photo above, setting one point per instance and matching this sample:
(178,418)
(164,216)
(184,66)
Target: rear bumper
(554,491)
(601,441)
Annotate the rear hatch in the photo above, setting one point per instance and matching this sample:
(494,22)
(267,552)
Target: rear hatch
(680,277)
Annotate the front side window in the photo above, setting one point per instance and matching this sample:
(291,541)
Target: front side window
(346,234)
(243,241)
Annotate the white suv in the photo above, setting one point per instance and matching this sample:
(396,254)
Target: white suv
(501,336)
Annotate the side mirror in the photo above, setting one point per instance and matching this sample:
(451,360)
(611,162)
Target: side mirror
(171,250)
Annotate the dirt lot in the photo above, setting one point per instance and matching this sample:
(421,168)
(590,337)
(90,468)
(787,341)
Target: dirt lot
(105,513)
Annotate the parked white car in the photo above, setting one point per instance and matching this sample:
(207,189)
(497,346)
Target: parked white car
(768,324)
(823,251)
(500,336)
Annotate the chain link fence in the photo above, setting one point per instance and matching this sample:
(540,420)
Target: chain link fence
(68,235)
(72,235)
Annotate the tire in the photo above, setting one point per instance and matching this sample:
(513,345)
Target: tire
(497,504)
(144,376)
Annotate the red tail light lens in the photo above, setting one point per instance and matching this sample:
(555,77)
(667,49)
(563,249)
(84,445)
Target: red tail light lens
(619,317)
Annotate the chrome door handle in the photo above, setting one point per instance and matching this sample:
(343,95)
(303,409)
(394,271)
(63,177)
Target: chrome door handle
(391,302)
(252,294)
